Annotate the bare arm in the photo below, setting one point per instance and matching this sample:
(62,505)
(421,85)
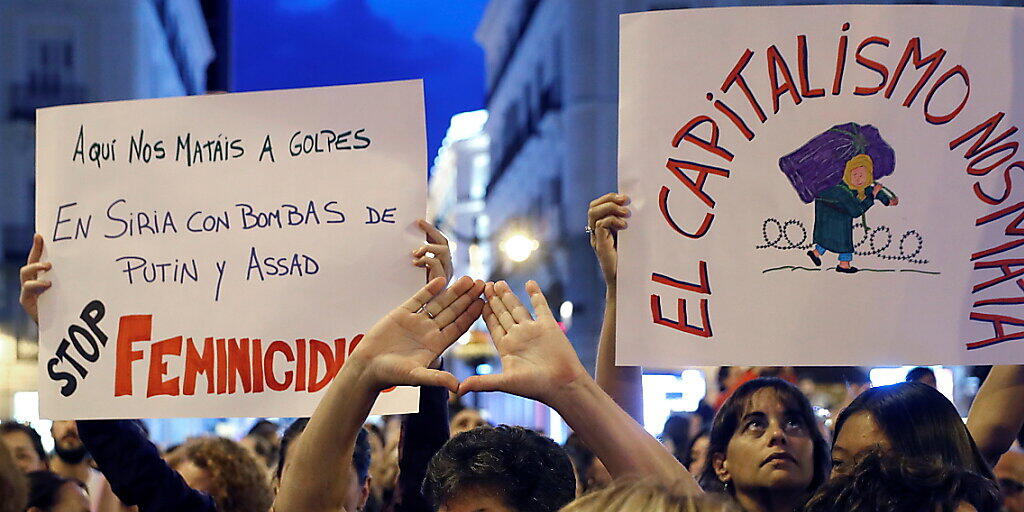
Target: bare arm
(396,351)
(623,383)
(538,362)
(998,411)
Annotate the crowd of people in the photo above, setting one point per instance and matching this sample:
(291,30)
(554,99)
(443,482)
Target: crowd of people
(759,447)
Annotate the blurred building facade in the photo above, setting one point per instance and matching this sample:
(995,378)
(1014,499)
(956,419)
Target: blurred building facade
(62,52)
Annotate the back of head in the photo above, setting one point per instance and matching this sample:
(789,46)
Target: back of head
(646,496)
(530,472)
(920,372)
(919,421)
(727,422)
(44,489)
(893,482)
(238,482)
(13,485)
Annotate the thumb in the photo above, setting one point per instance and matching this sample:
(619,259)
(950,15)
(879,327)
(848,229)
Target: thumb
(491,382)
(429,377)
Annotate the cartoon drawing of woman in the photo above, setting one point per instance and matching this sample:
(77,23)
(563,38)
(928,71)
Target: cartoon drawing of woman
(837,206)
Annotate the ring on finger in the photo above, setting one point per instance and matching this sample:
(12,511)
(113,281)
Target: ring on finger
(590,230)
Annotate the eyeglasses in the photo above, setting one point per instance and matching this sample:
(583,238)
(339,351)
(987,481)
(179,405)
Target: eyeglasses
(1010,487)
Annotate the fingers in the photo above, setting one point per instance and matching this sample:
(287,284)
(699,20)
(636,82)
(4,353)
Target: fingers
(540,303)
(416,302)
(439,378)
(458,305)
(607,210)
(434,267)
(445,299)
(491,382)
(456,329)
(34,287)
(622,199)
(37,249)
(607,205)
(519,312)
(493,325)
(434,235)
(610,224)
(435,249)
(498,307)
(32,270)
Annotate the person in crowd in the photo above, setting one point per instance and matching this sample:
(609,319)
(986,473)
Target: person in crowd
(909,418)
(358,474)
(883,481)
(71,460)
(501,468)
(675,435)
(48,492)
(13,484)
(591,474)
(264,441)
(765,449)
(467,419)
(383,468)
(922,374)
(1010,476)
(25,445)
(698,452)
(646,496)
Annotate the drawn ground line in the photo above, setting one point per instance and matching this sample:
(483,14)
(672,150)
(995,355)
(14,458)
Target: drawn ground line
(809,269)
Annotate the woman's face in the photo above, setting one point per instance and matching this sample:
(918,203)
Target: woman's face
(466,419)
(698,455)
(859,177)
(860,433)
(772,448)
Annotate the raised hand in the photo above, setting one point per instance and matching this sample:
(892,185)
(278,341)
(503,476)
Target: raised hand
(435,255)
(398,349)
(31,285)
(606,217)
(537,359)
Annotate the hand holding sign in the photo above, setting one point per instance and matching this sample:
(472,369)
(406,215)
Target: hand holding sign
(31,285)
(435,255)
(399,347)
(606,217)
(537,359)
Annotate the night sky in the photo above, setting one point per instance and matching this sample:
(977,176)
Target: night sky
(281,44)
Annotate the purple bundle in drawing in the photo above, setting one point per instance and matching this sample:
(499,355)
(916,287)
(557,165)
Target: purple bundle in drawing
(820,163)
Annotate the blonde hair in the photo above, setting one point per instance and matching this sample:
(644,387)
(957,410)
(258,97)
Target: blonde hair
(861,160)
(630,496)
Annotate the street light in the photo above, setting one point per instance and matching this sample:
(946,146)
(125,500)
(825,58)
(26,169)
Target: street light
(518,247)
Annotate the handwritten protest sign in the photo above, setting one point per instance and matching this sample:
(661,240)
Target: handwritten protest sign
(221,255)
(822,185)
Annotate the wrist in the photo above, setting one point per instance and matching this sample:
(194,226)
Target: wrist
(359,374)
(579,390)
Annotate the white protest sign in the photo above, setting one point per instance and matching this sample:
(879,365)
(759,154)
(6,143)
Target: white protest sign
(822,186)
(221,255)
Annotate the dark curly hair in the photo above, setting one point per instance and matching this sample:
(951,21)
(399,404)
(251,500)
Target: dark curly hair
(892,482)
(240,482)
(531,472)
